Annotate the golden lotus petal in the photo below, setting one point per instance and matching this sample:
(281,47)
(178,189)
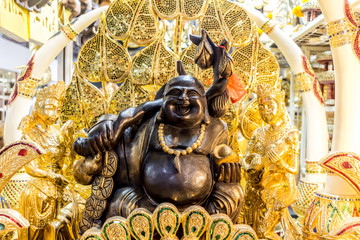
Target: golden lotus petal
(115,228)
(126,96)
(211,22)
(103,59)
(166,218)
(220,227)
(132,19)
(154,64)
(84,103)
(237,23)
(255,65)
(244,232)
(140,224)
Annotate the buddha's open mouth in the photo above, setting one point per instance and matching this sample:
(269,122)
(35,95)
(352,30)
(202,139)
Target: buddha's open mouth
(183,109)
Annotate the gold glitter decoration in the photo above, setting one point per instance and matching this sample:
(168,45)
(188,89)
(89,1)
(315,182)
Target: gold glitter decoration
(166,218)
(341,32)
(255,65)
(220,227)
(126,96)
(115,228)
(132,20)
(268,27)
(244,232)
(326,214)
(16,155)
(250,119)
(155,64)
(211,22)
(187,59)
(349,230)
(103,59)
(313,168)
(304,82)
(84,103)
(27,87)
(92,234)
(69,32)
(187,9)
(195,221)
(307,192)
(236,22)
(345,165)
(140,224)
(12,220)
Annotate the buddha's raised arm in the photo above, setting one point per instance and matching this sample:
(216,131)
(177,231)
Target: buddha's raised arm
(106,133)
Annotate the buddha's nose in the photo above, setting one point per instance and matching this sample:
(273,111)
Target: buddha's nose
(183,96)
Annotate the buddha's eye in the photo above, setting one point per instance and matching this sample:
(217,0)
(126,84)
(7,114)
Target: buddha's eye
(174,92)
(193,93)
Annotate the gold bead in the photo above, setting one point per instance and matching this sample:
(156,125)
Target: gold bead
(162,143)
(189,150)
(161,138)
(165,148)
(184,152)
(198,142)
(171,151)
(177,152)
(194,145)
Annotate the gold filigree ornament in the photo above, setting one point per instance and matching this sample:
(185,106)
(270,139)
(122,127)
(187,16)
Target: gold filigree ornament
(140,224)
(11,220)
(225,19)
(250,119)
(341,32)
(132,20)
(255,65)
(220,228)
(15,156)
(345,165)
(327,213)
(350,230)
(155,64)
(244,232)
(115,228)
(103,59)
(268,27)
(167,219)
(83,103)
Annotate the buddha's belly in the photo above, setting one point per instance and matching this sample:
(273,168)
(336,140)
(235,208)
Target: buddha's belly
(163,183)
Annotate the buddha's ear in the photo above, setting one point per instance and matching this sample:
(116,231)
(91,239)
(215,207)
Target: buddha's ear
(207,116)
(160,94)
(180,68)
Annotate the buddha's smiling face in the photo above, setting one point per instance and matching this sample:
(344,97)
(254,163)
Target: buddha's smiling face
(268,109)
(184,102)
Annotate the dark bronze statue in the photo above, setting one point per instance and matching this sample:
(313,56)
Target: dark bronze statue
(172,149)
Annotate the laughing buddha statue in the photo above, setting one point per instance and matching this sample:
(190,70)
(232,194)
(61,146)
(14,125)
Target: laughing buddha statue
(172,149)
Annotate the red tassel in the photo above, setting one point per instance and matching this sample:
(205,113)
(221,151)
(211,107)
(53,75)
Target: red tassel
(236,89)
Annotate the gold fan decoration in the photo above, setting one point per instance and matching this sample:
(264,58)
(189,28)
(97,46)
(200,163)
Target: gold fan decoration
(127,95)
(84,103)
(255,65)
(132,20)
(155,64)
(103,59)
(250,119)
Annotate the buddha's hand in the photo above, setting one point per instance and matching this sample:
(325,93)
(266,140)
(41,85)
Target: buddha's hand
(229,172)
(99,140)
